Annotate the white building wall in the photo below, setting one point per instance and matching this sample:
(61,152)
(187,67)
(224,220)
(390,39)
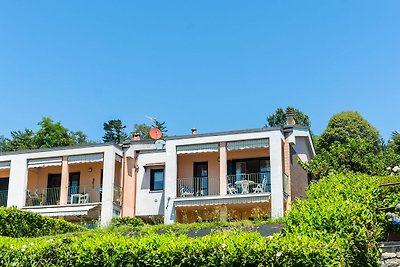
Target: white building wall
(149,202)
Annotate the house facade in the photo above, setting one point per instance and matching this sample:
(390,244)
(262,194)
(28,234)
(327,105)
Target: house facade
(225,175)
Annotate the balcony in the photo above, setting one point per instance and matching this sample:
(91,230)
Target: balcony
(82,194)
(198,187)
(237,184)
(250,183)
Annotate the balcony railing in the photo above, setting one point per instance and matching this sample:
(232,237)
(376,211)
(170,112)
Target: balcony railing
(198,187)
(81,194)
(249,183)
(43,196)
(3,198)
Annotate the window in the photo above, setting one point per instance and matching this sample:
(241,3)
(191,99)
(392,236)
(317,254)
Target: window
(156,179)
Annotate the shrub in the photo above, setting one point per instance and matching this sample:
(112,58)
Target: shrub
(127,221)
(17,223)
(338,225)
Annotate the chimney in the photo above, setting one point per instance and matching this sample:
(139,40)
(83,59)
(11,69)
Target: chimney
(290,118)
(194,131)
(136,137)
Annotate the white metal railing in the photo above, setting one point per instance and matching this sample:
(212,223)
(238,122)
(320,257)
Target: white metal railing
(249,183)
(198,186)
(81,194)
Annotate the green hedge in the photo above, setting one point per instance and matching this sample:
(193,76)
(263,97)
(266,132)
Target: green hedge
(127,221)
(17,223)
(338,225)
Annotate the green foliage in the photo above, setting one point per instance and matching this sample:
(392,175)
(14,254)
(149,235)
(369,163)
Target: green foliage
(337,225)
(348,125)
(22,140)
(278,119)
(79,137)
(127,221)
(394,143)
(17,223)
(143,130)
(356,155)
(345,206)
(114,132)
(52,134)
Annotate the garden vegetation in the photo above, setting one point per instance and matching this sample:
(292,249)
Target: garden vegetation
(337,225)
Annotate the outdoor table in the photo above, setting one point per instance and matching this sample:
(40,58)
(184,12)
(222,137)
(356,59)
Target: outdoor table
(245,185)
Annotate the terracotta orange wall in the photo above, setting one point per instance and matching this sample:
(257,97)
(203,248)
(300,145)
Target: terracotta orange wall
(185,164)
(86,177)
(5,173)
(248,153)
(128,207)
(37,177)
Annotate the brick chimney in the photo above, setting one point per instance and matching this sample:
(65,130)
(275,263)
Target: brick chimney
(194,131)
(290,118)
(136,137)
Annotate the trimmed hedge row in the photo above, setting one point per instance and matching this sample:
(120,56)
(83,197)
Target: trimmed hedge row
(338,225)
(229,249)
(17,223)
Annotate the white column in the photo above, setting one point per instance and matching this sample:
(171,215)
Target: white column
(223,169)
(170,183)
(18,182)
(108,187)
(276,176)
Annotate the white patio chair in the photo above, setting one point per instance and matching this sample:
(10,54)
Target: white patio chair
(261,187)
(231,189)
(185,191)
(83,199)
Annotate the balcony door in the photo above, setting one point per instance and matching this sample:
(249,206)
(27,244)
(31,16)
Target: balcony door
(3,191)
(200,173)
(73,186)
(53,189)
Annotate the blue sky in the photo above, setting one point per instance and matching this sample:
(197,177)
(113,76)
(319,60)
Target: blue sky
(214,65)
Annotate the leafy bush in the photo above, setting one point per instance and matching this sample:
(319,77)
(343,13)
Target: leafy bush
(127,221)
(17,223)
(338,225)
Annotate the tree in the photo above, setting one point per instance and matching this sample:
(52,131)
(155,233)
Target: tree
(22,140)
(79,137)
(143,130)
(394,143)
(346,126)
(356,155)
(4,144)
(278,118)
(114,132)
(52,134)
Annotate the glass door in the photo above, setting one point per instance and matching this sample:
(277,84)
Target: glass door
(53,190)
(265,170)
(73,187)
(200,174)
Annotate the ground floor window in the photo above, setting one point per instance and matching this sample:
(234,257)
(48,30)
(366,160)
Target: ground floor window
(156,179)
